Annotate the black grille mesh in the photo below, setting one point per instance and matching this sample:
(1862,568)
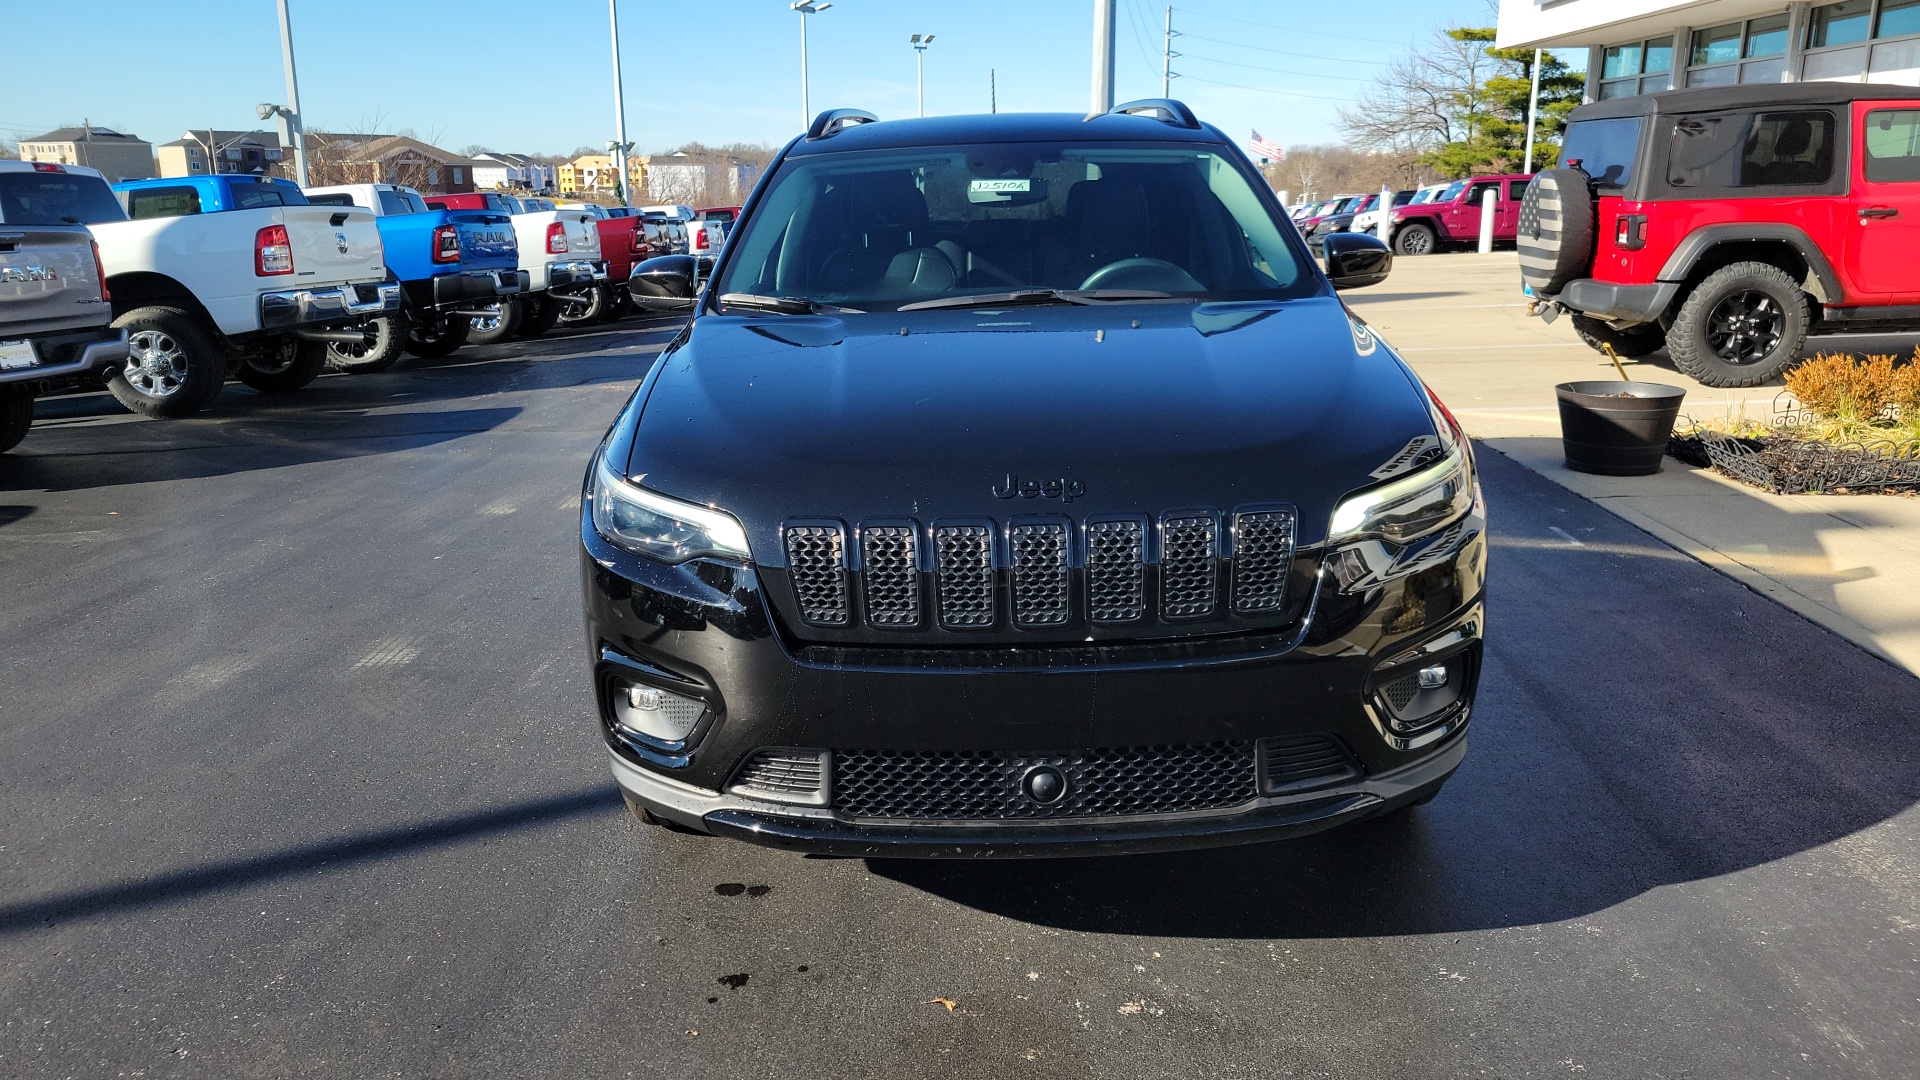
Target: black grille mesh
(816,560)
(1401,691)
(1262,557)
(1116,571)
(1187,559)
(1039,574)
(965,557)
(891,575)
(986,786)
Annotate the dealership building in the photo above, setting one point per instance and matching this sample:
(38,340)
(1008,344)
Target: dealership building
(1641,46)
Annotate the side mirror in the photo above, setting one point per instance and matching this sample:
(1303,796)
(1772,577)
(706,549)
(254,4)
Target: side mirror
(668,283)
(1356,260)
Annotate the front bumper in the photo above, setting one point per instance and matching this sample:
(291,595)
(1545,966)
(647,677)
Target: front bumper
(71,356)
(820,832)
(1626,304)
(291,309)
(564,275)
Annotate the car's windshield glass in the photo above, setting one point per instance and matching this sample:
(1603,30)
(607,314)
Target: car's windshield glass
(1451,191)
(879,229)
(49,198)
(1604,148)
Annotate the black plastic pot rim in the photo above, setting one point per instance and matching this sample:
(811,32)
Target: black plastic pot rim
(1602,393)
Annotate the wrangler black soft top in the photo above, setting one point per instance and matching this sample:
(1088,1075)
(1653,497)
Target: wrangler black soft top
(1744,96)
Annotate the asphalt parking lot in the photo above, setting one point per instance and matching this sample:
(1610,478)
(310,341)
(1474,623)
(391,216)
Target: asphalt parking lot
(303,781)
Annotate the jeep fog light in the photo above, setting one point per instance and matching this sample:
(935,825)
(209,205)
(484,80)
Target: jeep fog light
(652,713)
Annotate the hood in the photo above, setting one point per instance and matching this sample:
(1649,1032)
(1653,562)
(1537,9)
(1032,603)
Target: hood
(1121,409)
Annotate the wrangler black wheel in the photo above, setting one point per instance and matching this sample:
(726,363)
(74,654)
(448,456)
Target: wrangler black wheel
(1415,240)
(1743,325)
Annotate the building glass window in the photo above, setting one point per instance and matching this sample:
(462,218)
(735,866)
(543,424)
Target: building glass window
(1768,36)
(1621,60)
(1659,57)
(1898,17)
(1623,65)
(1839,24)
(1716,45)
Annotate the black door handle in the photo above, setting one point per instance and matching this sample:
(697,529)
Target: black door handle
(1878,212)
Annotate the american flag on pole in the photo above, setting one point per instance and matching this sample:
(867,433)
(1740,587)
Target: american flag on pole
(1265,149)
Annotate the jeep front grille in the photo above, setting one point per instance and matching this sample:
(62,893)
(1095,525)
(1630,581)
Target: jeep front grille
(978,785)
(1045,575)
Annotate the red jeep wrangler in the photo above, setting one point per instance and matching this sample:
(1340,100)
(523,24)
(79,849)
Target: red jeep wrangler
(1453,217)
(1728,223)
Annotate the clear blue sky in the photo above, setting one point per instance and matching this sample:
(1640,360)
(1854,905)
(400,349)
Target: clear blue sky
(535,77)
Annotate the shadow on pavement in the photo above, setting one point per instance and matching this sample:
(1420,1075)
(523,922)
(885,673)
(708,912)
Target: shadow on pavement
(1643,721)
(209,878)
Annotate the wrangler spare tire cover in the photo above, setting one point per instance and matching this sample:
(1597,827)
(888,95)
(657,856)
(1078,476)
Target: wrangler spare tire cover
(1556,231)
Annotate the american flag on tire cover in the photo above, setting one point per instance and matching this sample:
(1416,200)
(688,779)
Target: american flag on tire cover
(1263,148)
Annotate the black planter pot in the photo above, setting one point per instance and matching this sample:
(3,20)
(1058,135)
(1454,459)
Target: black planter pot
(1617,428)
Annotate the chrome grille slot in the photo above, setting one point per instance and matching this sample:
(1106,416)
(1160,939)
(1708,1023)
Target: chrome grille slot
(1188,557)
(964,558)
(798,776)
(817,563)
(1040,596)
(891,575)
(1262,558)
(1116,571)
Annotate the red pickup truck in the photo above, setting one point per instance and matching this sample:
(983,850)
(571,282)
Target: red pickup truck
(1453,217)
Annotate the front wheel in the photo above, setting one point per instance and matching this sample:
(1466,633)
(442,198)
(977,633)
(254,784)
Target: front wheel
(380,345)
(16,415)
(173,367)
(289,365)
(502,320)
(1632,343)
(1746,323)
(1415,240)
(433,337)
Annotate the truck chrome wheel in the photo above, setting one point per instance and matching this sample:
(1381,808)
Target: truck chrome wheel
(156,363)
(1745,328)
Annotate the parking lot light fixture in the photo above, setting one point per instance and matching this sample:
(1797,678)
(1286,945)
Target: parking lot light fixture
(920,43)
(806,8)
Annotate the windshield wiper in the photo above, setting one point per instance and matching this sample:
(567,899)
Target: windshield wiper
(1038,296)
(784,305)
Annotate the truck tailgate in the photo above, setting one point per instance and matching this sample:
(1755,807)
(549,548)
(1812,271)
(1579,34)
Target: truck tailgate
(333,244)
(486,239)
(47,280)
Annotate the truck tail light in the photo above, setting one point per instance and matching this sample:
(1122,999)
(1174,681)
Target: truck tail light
(1630,232)
(446,244)
(100,272)
(701,243)
(556,239)
(639,236)
(272,254)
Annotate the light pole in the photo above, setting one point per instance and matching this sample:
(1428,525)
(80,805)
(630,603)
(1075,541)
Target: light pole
(620,145)
(1102,56)
(290,116)
(805,8)
(920,43)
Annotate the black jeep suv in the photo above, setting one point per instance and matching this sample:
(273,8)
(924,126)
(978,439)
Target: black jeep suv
(1021,487)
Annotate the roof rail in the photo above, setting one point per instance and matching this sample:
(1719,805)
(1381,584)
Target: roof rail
(833,121)
(1165,110)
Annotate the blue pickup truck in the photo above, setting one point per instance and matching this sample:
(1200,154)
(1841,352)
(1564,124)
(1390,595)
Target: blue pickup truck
(452,265)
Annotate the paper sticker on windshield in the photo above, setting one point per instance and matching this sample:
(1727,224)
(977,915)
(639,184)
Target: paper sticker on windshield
(1000,187)
(1019,192)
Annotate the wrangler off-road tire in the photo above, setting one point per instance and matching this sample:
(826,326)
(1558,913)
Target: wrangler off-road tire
(1555,232)
(174,368)
(1743,325)
(1632,343)
(16,415)
(1415,239)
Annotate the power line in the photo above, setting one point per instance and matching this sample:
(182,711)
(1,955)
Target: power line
(1265,90)
(1284,52)
(1282,71)
(1276,26)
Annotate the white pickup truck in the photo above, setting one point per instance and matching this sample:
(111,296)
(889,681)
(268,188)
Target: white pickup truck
(225,280)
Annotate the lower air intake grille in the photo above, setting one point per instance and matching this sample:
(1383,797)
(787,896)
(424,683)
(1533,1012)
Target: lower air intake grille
(1187,566)
(817,562)
(965,557)
(892,575)
(1303,762)
(1401,692)
(987,786)
(1116,578)
(1039,574)
(786,775)
(1262,557)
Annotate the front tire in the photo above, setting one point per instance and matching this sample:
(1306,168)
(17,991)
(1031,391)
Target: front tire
(173,367)
(16,415)
(385,337)
(497,327)
(1415,239)
(1743,325)
(437,336)
(1632,343)
(289,365)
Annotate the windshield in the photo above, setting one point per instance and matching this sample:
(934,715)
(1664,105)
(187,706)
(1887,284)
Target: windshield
(879,229)
(49,198)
